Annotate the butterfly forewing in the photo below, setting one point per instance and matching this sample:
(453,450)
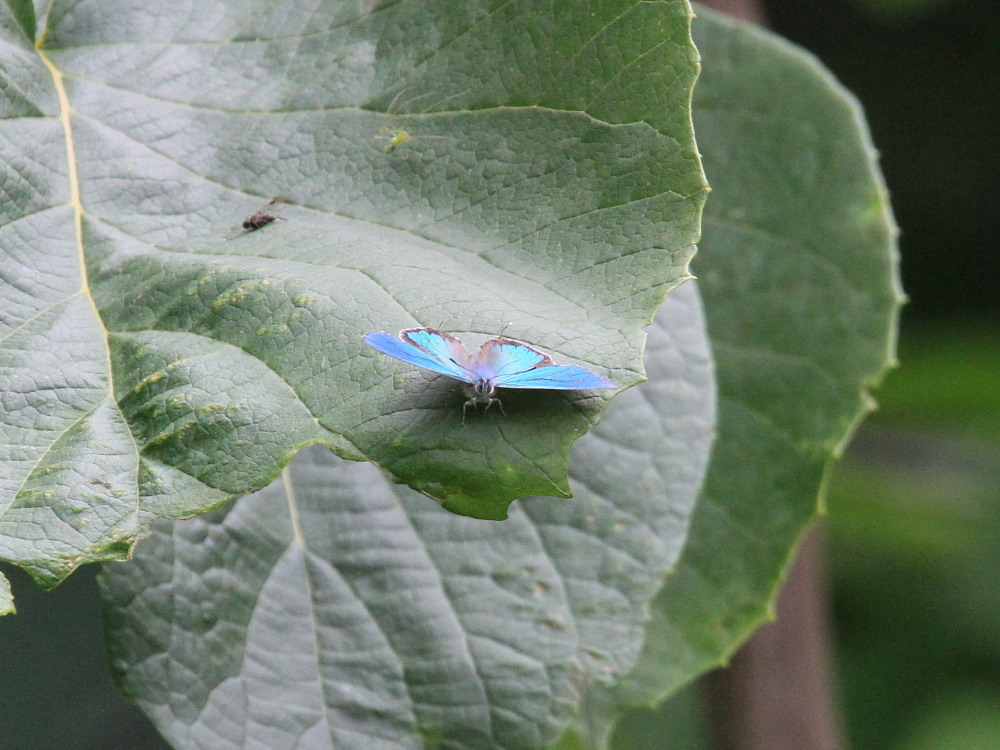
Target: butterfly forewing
(418,355)
(503,357)
(442,346)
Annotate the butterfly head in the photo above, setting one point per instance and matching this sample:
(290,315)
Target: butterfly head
(481,391)
(484,388)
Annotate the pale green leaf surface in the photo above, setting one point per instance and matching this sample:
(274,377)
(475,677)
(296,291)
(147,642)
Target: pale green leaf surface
(155,361)
(798,273)
(334,609)
(6,597)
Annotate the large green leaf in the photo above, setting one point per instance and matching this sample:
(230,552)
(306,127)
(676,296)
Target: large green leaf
(465,165)
(798,272)
(335,609)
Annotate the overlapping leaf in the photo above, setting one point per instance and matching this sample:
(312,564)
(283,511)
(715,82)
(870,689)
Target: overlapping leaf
(798,273)
(465,165)
(337,610)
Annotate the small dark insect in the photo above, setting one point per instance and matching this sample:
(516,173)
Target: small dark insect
(259,219)
(103,482)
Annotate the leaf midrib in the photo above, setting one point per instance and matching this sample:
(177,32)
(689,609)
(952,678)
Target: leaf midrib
(75,203)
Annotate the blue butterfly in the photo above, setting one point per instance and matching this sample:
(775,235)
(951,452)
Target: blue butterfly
(499,363)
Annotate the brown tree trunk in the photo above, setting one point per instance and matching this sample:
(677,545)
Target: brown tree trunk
(748,10)
(777,693)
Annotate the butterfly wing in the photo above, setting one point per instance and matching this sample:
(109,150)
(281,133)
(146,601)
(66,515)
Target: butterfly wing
(424,347)
(501,357)
(444,347)
(517,365)
(504,362)
(556,377)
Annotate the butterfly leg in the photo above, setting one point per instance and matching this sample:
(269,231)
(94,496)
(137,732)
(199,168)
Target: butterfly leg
(499,404)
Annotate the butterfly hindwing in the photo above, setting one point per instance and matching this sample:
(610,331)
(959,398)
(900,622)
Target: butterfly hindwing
(556,377)
(433,352)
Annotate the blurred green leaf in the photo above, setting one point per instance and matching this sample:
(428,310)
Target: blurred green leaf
(798,272)
(918,495)
(914,531)
(336,609)
(957,719)
(156,361)
(949,381)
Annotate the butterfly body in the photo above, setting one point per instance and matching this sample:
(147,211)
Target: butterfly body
(499,363)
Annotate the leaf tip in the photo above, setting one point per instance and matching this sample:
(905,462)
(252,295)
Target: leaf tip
(473,507)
